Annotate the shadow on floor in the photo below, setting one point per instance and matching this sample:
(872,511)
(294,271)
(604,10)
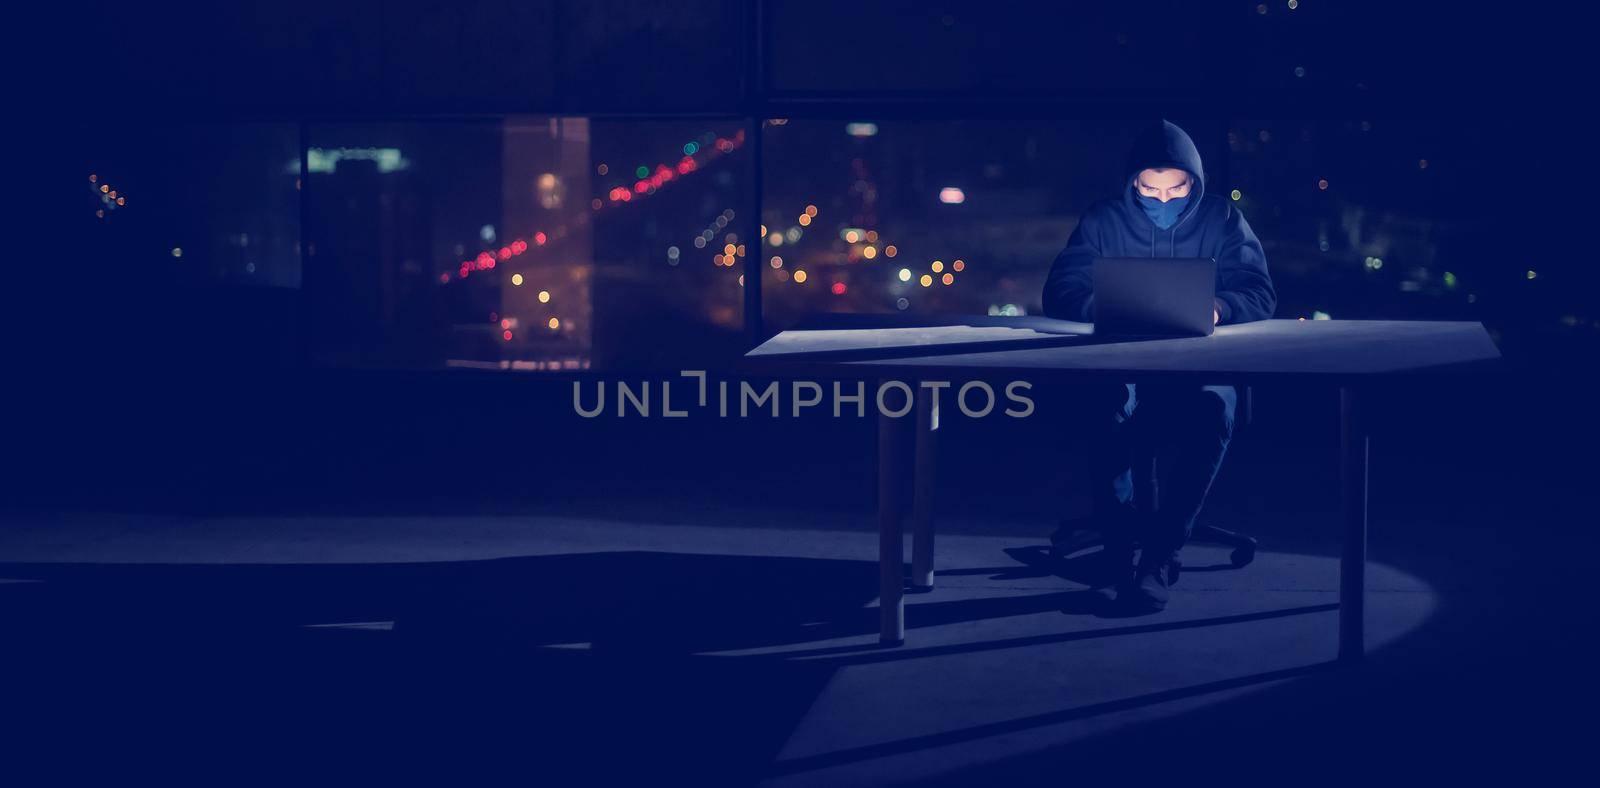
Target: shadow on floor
(214,666)
(582,664)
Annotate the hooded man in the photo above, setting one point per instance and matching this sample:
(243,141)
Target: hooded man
(1163,211)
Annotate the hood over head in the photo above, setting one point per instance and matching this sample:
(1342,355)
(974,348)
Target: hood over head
(1161,145)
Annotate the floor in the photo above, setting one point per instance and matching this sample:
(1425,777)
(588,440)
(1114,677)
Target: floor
(741,650)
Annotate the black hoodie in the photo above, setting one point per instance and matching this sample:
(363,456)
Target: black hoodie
(1208,226)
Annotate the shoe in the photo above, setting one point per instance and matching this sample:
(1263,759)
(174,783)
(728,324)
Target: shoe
(1150,587)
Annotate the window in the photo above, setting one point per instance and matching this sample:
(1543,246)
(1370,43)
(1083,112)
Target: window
(930,216)
(530,242)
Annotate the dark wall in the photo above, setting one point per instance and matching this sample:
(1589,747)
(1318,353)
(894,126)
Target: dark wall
(495,56)
(397,57)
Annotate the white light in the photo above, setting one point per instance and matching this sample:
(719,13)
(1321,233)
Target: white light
(861,129)
(951,195)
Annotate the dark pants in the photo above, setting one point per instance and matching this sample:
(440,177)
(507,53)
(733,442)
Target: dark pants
(1197,422)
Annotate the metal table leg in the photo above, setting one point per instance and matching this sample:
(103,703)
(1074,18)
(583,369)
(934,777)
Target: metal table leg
(926,474)
(1353,500)
(893,438)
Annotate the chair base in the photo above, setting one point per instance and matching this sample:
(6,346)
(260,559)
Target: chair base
(1069,540)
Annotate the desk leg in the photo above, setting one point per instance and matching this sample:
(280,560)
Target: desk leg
(1353,502)
(893,435)
(926,473)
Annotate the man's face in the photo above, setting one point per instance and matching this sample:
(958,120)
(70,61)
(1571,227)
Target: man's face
(1163,183)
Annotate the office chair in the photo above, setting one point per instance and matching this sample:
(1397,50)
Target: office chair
(1147,499)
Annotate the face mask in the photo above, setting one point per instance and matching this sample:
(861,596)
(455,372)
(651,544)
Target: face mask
(1162,213)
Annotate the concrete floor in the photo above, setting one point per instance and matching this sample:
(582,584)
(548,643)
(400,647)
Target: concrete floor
(736,652)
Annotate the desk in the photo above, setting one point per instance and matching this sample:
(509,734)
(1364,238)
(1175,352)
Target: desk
(1351,355)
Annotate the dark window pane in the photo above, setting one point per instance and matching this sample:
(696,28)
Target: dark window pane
(526,243)
(196,204)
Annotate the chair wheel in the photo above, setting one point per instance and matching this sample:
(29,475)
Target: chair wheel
(1243,555)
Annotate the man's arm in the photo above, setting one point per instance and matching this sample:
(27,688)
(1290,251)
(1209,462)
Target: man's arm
(1244,289)
(1069,287)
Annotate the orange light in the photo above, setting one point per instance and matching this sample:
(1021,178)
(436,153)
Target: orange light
(800,276)
(959,265)
(948,278)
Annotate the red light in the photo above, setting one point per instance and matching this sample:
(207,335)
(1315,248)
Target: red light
(507,335)
(539,238)
(443,278)
(519,246)
(838,288)
(505,253)
(484,259)
(683,168)
(505,323)
(641,186)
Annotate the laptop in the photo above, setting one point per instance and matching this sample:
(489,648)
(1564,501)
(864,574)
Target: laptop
(1154,296)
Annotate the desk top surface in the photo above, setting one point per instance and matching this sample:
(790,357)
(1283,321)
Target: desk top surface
(871,345)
